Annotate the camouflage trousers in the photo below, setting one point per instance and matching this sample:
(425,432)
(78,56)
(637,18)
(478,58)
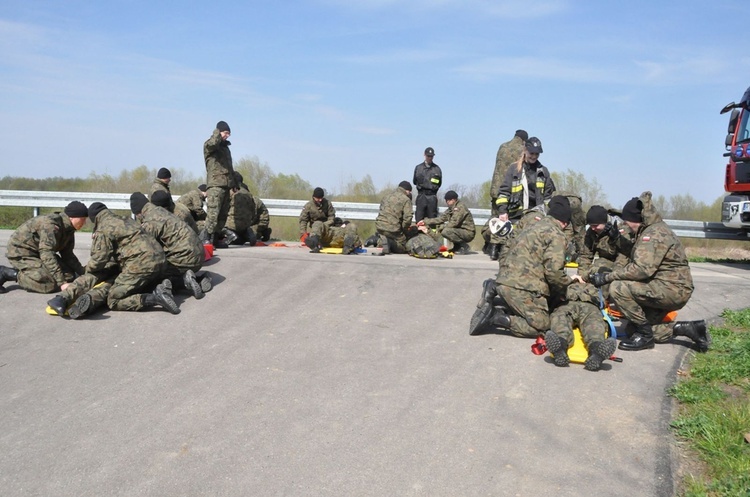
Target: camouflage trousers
(217,203)
(333,236)
(582,315)
(396,241)
(458,235)
(649,302)
(96,288)
(129,290)
(34,277)
(529,312)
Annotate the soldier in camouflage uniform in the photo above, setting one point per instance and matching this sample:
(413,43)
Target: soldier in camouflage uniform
(194,201)
(317,209)
(507,155)
(655,281)
(526,184)
(343,234)
(220,183)
(87,293)
(394,219)
(161,184)
(580,310)
(40,251)
(532,273)
(164,200)
(261,221)
(140,257)
(241,213)
(183,249)
(600,244)
(456,224)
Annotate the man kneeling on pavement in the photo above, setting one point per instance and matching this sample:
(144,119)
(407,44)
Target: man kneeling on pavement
(455,225)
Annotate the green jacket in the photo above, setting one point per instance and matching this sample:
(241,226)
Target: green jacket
(218,157)
(120,238)
(241,211)
(396,212)
(508,154)
(194,201)
(457,216)
(42,238)
(312,212)
(182,247)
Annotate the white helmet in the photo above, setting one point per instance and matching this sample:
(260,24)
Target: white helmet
(500,228)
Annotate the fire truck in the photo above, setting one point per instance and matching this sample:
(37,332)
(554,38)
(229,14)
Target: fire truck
(735,209)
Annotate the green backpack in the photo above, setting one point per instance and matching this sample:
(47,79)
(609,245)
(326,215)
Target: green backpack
(423,246)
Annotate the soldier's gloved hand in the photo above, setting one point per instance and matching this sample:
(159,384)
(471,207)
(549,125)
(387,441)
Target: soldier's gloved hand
(612,231)
(599,279)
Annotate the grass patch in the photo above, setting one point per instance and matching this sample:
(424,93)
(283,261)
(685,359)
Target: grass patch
(714,411)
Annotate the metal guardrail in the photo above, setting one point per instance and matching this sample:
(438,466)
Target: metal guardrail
(346,210)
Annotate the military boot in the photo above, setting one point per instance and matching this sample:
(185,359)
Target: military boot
(81,307)
(500,319)
(7,274)
(489,291)
(372,241)
(494,251)
(643,338)
(218,242)
(313,242)
(229,236)
(598,353)
(266,235)
(192,285)
(205,282)
(696,331)
(58,304)
(481,318)
(558,347)
(460,249)
(348,245)
(385,243)
(162,296)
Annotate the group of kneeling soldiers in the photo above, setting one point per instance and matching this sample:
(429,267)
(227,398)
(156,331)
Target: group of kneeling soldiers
(640,267)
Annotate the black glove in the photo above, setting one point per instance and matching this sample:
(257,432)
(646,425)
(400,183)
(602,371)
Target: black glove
(599,279)
(612,231)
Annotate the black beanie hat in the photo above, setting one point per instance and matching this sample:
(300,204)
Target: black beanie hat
(137,201)
(161,198)
(76,209)
(559,208)
(451,195)
(633,211)
(164,173)
(596,215)
(522,134)
(95,209)
(223,126)
(405,185)
(319,193)
(238,177)
(202,187)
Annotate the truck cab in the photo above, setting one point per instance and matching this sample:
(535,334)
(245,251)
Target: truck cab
(735,209)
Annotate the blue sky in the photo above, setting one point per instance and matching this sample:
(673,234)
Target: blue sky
(628,93)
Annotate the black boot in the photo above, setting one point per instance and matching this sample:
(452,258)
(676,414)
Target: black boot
(385,242)
(7,274)
(192,285)
(696,331)
(481,318)
(313,242)
(494,251)
(58,304)
(218,242)
(489,291)
(205,282)
(372,241)
(643,338)
(349,241)
(558,347)
(598,353)
(501,320)
(162,296)
(81,307)
(460,249)
(229,236)
(486,248)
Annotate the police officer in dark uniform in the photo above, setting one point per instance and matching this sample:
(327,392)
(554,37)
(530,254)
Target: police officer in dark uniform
(427,179)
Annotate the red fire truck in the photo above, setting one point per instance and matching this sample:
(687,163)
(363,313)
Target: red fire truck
(735,210)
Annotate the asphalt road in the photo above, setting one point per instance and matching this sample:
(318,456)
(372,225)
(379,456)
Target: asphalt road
(325,375)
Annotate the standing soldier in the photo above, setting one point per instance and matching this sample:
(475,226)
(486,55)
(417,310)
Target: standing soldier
(40,251)
(140,257)
(220,183)
(194,200)
(427,179)
(455,224)
(507,155)
(394,219)
(655,281)
(317,209)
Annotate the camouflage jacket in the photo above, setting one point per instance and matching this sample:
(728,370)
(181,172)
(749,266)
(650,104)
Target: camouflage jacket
(510,193)
(427,179)
(457,216)
(312,212)
(261,217)
(596,245)
(185,215)
(181,245)
(41,238)
(218,157)
(396,212)
(508,154)
(194,201)
(535,262)
(120,238)
(241,211)
(159,185)
(657,253)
